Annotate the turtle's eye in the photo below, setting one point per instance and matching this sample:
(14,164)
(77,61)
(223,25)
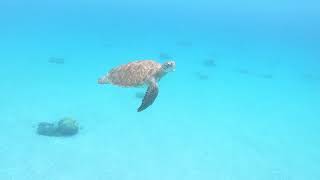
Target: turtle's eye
(168,65)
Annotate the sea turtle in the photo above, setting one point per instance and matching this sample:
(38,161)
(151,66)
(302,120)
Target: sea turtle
(139,73)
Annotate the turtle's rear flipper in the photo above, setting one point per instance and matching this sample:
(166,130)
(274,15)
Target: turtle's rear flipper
(150,96)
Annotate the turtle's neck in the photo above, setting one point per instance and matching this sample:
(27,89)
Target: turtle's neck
(161,74)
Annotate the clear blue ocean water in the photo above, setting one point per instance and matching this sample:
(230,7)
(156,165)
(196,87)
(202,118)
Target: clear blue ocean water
(243,103)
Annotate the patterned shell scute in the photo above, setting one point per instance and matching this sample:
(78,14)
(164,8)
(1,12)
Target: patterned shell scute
(133,74)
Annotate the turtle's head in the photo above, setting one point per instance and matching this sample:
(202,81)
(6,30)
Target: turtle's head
(103,80)
(169,66)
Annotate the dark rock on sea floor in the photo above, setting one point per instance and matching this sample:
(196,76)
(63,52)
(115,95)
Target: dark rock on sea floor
(46,129)
(64,127)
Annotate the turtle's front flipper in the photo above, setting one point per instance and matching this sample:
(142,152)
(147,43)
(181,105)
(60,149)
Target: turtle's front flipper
(150,96)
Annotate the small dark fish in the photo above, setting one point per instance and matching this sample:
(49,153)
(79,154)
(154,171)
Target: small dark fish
(266,76)
(311,77)
(209,63)
(308,76)
(56,60)
(164,56)
(201,76)
(139,95)
(242,71)
(184,43)
(246,72)
(260,75)
(106,44)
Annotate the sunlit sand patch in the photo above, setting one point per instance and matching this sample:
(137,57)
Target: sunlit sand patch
(9,173)
(277,173)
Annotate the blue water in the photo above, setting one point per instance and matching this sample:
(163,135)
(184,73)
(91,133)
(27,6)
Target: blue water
(253,115)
